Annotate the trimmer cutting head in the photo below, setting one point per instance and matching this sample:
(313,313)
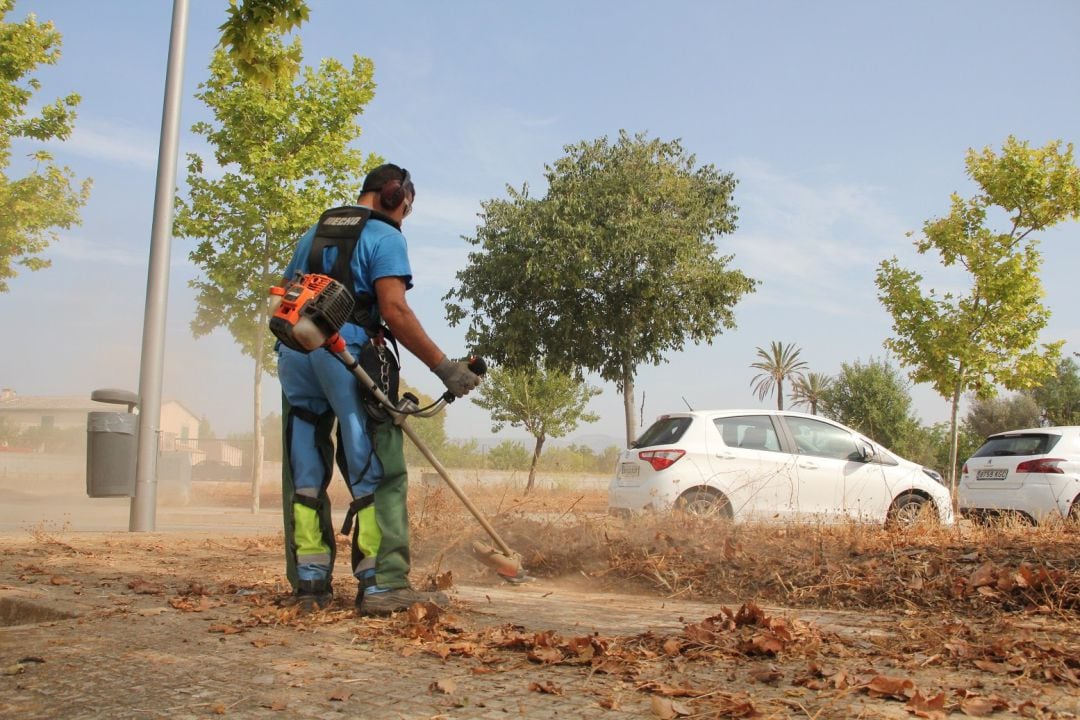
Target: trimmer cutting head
(507,566)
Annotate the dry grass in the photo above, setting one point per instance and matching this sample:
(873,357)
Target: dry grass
(561,532)
(966,568)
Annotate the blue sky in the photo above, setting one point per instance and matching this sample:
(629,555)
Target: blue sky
(846,124)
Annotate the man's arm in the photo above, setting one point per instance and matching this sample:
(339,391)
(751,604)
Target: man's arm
(403,323)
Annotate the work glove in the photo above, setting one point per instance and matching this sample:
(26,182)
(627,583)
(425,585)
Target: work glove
(456,376)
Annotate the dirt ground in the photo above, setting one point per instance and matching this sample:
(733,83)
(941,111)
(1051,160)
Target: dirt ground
(662,617)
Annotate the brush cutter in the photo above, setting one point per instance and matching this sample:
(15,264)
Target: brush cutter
(308,313)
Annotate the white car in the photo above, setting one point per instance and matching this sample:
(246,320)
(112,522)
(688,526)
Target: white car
(1034,473)
(771,465)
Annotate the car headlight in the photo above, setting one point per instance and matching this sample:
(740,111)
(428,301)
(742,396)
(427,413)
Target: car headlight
(934,475)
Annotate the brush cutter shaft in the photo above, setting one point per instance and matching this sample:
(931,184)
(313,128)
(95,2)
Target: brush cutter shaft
(350,362)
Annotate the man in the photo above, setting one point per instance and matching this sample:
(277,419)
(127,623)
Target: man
(362,247)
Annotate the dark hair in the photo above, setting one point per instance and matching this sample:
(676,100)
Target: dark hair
(386,174)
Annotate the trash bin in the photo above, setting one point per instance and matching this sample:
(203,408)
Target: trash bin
(112,446)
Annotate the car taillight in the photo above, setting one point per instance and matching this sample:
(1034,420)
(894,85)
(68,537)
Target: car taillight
(1042,465)
(661,459)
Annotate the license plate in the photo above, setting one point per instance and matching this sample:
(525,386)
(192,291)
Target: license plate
(992,474)
(629,469)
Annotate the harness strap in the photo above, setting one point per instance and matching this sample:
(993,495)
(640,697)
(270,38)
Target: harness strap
(312,502)
(340,228)
(311,418)
(356,506)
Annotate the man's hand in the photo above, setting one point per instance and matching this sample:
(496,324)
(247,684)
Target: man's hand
(456,376)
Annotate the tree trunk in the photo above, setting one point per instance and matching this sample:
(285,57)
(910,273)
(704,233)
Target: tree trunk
(260,352)
(628,404)
(779,394)
(535,459)
(953,433)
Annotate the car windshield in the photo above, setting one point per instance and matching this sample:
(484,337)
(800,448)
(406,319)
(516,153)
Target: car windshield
(664,431)
(1025,444)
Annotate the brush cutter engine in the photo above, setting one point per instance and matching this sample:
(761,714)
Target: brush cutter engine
(311,310)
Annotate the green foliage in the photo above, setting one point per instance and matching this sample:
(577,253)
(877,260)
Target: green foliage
(931,446)
(614,267)
(994,415)
(975,341)
(547,403)
(1059,395)
(579,459)
(463,454)
(874,399)
(809,389)
(283,155)
(777,364)
(509,455)
(34,206)
(249,23)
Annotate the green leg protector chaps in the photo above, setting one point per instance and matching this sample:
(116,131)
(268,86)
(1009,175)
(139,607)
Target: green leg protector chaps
(382,526)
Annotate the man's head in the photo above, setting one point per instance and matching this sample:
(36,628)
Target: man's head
(389,189)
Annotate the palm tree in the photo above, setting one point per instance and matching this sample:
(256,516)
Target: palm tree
(781,362)
(809,389)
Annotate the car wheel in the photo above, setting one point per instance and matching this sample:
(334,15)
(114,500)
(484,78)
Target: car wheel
(705,502)
(909,509)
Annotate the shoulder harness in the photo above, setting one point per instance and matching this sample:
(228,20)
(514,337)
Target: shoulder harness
(340,228)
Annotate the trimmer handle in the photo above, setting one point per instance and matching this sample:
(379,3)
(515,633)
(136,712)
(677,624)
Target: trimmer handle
(476,366)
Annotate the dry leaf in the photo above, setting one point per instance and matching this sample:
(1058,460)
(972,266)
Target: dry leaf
(225,629)
(933,708)
(767,675)
(668,709)
(548,688)
(546,655)
(446,686)
(985,574)
(218,708)
(663,708)
(899,688)
(145,587)
(982,706)
(61,580)
(341,695)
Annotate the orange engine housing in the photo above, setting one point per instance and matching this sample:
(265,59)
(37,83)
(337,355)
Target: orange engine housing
(309,311)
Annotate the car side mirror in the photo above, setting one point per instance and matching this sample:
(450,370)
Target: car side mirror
(867,452)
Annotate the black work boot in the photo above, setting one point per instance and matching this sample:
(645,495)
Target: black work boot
(396,600)
(313,595)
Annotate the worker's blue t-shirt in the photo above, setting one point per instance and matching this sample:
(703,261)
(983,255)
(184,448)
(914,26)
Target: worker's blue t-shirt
(381,252)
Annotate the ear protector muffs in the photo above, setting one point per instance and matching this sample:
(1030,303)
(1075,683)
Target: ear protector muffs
(392,194)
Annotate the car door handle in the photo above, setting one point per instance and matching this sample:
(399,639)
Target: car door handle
(729,456)
(808,465)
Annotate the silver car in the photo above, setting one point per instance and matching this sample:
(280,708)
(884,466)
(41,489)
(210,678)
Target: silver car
(1033,473)
(771,465)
